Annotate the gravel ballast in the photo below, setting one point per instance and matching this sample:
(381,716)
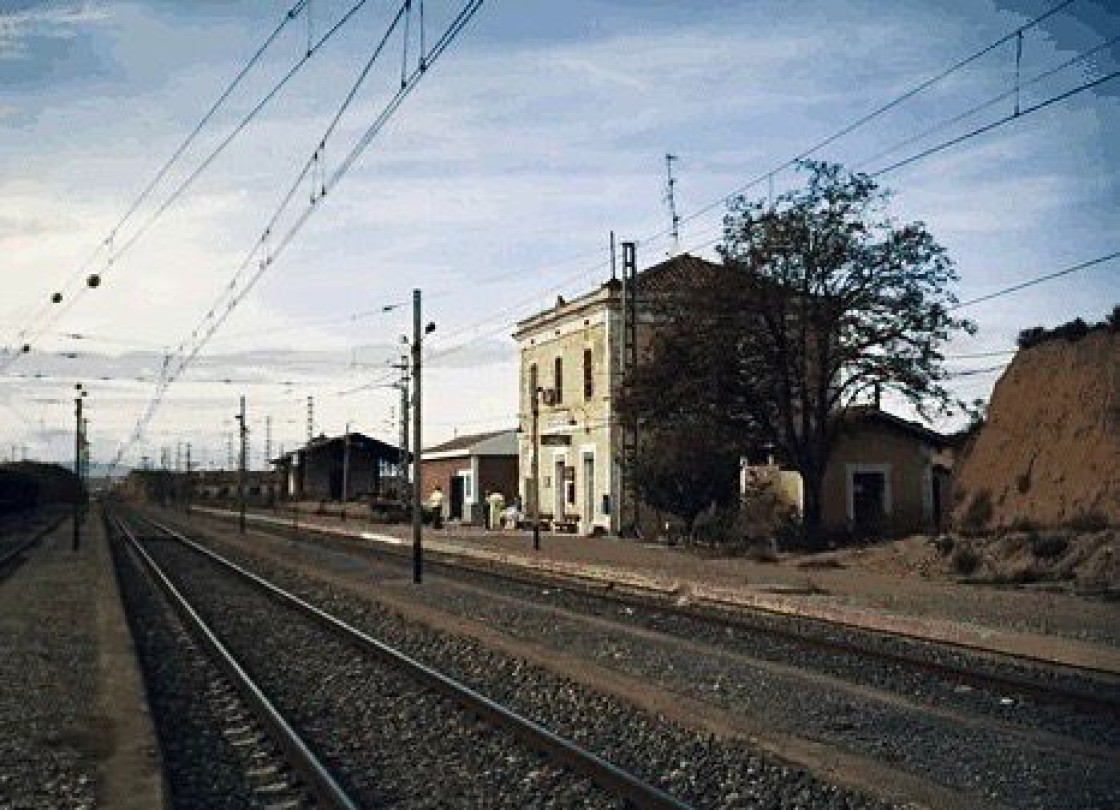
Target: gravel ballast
(696,766)
(1004,759)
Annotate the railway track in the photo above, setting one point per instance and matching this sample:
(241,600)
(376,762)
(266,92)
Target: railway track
(1051,736)
(170,556)
(280,770)
(1018,677)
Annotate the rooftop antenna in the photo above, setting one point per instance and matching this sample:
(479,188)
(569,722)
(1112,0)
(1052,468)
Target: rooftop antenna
(671,199)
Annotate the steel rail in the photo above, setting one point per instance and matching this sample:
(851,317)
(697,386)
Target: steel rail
(11,554)
(320,782)
(616,780)
(740,617)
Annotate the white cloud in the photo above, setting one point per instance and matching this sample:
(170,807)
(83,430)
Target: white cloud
(50,20)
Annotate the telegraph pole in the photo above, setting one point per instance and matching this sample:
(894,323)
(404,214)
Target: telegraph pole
(78,464)
(403,385)
(417,548)
(536,468)
(190,479)
(345,468)
(241,469)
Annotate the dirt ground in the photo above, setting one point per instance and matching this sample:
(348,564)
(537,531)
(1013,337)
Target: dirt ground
(1084,564)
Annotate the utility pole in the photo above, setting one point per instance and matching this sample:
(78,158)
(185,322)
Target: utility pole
(417,517)
(536,468)
(244,430)
(402,458)
(629,363)
(190,479)
(267,441)
(78,464)
(345,469)
(310,419)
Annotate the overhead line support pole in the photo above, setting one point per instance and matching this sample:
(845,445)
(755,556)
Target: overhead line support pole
(78,469)
(536,468)
(241,471)
(417,516)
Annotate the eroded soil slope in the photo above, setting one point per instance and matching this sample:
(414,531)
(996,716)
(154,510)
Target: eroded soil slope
(1049,454)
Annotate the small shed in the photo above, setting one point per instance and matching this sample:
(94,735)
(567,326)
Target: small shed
(340,468)
(466,468)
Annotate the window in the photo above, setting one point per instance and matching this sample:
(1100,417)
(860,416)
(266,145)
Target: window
(588,379)
(532,381)
(558,380)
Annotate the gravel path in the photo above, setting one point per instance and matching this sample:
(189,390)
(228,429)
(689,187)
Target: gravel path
(48,671)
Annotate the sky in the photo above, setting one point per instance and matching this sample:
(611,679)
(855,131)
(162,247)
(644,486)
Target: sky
(492,188)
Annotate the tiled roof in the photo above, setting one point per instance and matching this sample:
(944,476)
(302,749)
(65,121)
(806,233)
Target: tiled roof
(669,275)
(869,413)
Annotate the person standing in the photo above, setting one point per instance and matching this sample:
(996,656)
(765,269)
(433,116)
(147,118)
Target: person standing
(435,502)
(496,503)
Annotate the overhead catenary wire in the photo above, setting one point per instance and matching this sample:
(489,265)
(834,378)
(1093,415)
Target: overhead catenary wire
(1031,282)
(115,251)
(426,61)
(868,117)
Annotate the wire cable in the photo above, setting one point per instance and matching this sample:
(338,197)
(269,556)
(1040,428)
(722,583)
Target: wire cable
(1039,280)
(173,370)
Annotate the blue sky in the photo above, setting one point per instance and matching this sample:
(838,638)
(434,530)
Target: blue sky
(495,186)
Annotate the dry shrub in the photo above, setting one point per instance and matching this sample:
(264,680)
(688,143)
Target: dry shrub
(966,561)
(978,514)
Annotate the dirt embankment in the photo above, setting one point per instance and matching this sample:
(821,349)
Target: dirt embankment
(1049,454)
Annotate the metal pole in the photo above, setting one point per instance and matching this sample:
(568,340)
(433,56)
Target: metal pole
(190,480)
(78,469)
(417,548)
(404,482)
(345,470)
(536,469)
(241,471)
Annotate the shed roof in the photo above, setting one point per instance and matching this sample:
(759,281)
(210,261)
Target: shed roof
(357,440)
(496,442)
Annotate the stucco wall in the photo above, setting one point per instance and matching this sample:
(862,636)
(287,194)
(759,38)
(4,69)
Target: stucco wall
(907,465)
